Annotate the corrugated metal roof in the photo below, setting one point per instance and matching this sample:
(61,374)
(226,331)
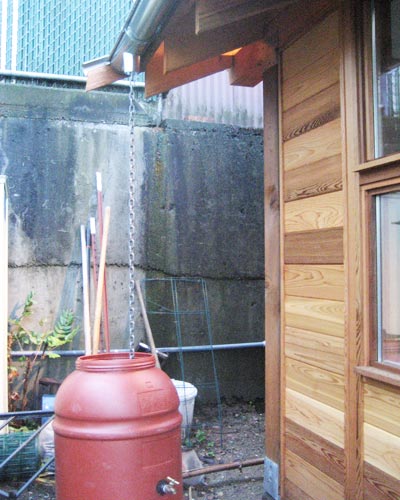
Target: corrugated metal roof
(213,99)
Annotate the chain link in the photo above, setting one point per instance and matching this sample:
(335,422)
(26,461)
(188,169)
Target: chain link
(132,181)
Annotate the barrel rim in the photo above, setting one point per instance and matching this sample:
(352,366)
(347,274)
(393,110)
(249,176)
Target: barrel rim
(119,361)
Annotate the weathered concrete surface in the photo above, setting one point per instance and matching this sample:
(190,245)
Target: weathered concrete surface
(203,198)
(199,196)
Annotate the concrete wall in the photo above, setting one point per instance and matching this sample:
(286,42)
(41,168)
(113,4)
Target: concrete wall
(199,212)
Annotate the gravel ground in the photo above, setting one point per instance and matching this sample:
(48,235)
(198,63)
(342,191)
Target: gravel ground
(242,439)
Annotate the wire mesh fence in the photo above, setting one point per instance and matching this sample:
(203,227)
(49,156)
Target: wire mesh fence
(57,36)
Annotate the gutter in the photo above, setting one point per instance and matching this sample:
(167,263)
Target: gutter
(138,38)
(55,77)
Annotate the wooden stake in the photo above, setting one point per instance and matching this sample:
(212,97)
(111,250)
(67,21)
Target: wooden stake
(100,283)
(105,298)
(146,323)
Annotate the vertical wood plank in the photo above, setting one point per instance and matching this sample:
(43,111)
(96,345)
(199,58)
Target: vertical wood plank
(272,265)
(353,326)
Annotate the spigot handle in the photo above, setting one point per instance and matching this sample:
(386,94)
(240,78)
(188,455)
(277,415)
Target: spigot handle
(167,486)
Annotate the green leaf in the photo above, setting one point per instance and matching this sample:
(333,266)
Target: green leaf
(53,355)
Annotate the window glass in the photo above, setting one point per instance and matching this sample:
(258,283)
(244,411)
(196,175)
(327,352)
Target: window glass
(386,76)
(387,208)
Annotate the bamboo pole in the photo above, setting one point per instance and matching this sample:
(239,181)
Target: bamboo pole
(3,294)
(85,286)
(100,282)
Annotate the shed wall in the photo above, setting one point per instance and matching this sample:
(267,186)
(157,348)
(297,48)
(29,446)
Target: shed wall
(313,274)
(316,457)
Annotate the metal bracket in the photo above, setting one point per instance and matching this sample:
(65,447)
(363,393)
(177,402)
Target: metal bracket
(131,63)
(271,478)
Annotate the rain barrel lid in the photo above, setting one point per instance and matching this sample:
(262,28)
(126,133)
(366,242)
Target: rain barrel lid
(115,362)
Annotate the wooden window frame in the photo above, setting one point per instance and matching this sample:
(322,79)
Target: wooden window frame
(370,147)
(368,194)
(373,174)
(379,179)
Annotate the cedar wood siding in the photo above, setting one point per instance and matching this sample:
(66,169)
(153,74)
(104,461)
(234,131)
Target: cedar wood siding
(313,363)
(313,274)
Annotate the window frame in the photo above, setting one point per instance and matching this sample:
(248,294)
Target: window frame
(369,57)
(372,174)
(371,285)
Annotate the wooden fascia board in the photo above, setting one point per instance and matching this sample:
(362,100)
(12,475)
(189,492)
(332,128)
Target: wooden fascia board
(214,14)
(157,81)
(250,64)
(100,76)
(184,48)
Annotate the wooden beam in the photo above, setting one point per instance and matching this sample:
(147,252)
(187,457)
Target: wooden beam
(272,265)
(158,82)
(213,14)
(101,76)
(250,63)
(184,48)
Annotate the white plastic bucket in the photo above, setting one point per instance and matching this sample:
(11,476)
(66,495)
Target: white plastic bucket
(187,394)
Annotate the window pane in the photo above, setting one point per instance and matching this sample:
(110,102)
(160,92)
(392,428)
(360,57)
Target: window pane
(386,64)
(388,276)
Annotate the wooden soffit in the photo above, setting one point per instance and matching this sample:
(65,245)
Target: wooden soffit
(202,31)
(213,14)
(183,47)
(158,82)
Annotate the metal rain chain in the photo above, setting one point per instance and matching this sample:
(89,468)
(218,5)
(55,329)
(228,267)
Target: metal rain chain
(132,180)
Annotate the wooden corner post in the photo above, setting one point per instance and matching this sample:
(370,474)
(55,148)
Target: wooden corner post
(272,281)
(352,141)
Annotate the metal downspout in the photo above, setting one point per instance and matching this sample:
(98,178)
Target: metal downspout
(145,21)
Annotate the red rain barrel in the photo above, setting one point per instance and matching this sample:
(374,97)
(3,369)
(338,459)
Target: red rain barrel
(117,431)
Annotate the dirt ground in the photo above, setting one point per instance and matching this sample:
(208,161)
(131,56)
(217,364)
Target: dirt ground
(242,439)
